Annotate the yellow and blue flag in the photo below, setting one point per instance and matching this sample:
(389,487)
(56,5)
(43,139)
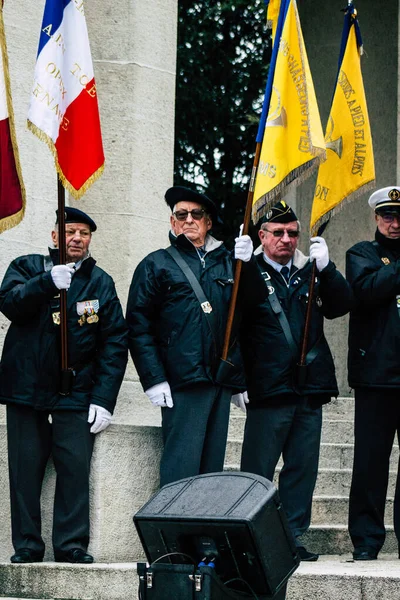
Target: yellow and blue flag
(290,127)
(349,169)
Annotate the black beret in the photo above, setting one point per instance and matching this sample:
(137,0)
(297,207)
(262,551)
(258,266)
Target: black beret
(180,193)
(74,215)
(280,213)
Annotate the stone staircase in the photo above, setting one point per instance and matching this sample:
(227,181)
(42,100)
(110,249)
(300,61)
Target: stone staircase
(124,474)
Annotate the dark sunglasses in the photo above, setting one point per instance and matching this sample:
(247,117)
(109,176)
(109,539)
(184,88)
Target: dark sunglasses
(389,217)
(197,214)
(281,232)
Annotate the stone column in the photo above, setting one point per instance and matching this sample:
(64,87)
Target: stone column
(133,45)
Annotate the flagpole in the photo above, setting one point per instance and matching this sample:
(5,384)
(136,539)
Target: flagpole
(238,268)
(250,195)
(66,373)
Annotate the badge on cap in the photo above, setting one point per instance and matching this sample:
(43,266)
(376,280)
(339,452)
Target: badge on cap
(394,194)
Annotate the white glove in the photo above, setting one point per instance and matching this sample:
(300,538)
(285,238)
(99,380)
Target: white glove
(99,417)
(240,400)
(243,246)
(319,252)
(160,395)
(62,275)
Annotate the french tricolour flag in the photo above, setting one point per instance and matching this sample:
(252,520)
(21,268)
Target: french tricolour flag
(63,110)
(12,191)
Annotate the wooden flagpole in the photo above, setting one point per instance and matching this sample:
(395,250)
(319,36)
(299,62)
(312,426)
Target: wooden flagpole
(66,373)
(238,269)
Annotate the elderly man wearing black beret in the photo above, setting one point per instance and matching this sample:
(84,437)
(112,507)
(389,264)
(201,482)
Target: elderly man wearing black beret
(373,269)
(40,421)
(177,313)
(284,413)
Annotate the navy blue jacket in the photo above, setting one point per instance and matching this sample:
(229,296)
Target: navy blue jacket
(97,350)
(169,337)
(269,361)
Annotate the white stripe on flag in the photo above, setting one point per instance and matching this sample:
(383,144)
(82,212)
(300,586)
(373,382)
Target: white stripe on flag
(63,68)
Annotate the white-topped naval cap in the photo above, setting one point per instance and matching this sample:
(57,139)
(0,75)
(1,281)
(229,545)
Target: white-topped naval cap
(385,197)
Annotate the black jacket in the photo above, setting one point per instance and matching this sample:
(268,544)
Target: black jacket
(97,351)
(169,337)
(374,332)
(269,362)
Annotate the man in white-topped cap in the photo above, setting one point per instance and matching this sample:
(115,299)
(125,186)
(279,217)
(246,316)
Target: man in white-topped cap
(373,270)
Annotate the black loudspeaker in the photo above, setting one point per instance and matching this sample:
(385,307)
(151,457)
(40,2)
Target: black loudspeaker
(233,520)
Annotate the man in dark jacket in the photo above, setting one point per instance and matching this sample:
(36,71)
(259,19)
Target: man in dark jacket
(40,421)
(284,415)
(373,269)
(176,338)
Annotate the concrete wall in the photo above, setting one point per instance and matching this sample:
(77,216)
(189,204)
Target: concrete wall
(322,29)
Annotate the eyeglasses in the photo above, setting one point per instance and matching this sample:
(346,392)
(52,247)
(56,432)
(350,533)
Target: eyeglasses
(197,214)
(389,218)
(281,232)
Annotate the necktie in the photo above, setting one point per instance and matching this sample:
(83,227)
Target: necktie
(285,272)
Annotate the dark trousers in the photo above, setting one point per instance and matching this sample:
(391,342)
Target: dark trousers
(293,430)
(377,421)
(31,440)
(195,431)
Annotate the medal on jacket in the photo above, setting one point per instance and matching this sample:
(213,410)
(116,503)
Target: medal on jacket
(385,260)
(56,318)
(87,310)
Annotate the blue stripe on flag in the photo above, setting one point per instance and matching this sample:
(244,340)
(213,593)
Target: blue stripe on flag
(52,18)
(349,21)
(271,71)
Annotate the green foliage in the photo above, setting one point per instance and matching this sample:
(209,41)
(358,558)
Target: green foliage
(223,56)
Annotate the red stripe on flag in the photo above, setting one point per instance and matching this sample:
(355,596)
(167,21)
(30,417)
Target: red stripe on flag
(10,189)
(79,145)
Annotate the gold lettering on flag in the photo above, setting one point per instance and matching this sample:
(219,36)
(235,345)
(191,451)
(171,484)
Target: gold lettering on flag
(293,143)
(349,169)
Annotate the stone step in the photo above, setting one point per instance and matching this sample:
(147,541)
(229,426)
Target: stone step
(333,510)
(332,482)
(335,539)
(334,431)
(335,456)
(56,581)
(330,578)
(340,578)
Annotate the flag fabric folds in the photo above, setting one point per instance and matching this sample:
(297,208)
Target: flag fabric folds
(290,127)
(12,190)
(63,109)
(273,7)
(349,169)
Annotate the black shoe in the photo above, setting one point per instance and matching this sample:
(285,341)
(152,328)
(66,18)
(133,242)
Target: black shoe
(75,555)
(306,555)
(365,553)
(25,555)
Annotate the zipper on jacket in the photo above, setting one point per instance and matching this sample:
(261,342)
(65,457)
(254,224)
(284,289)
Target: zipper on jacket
(202,258)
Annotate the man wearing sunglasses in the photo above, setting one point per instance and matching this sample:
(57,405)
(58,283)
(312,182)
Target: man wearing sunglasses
(284,413)
(373,269)
(176,336)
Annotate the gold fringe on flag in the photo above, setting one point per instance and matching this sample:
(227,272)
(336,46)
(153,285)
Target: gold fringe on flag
(77,194)
(12,220)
